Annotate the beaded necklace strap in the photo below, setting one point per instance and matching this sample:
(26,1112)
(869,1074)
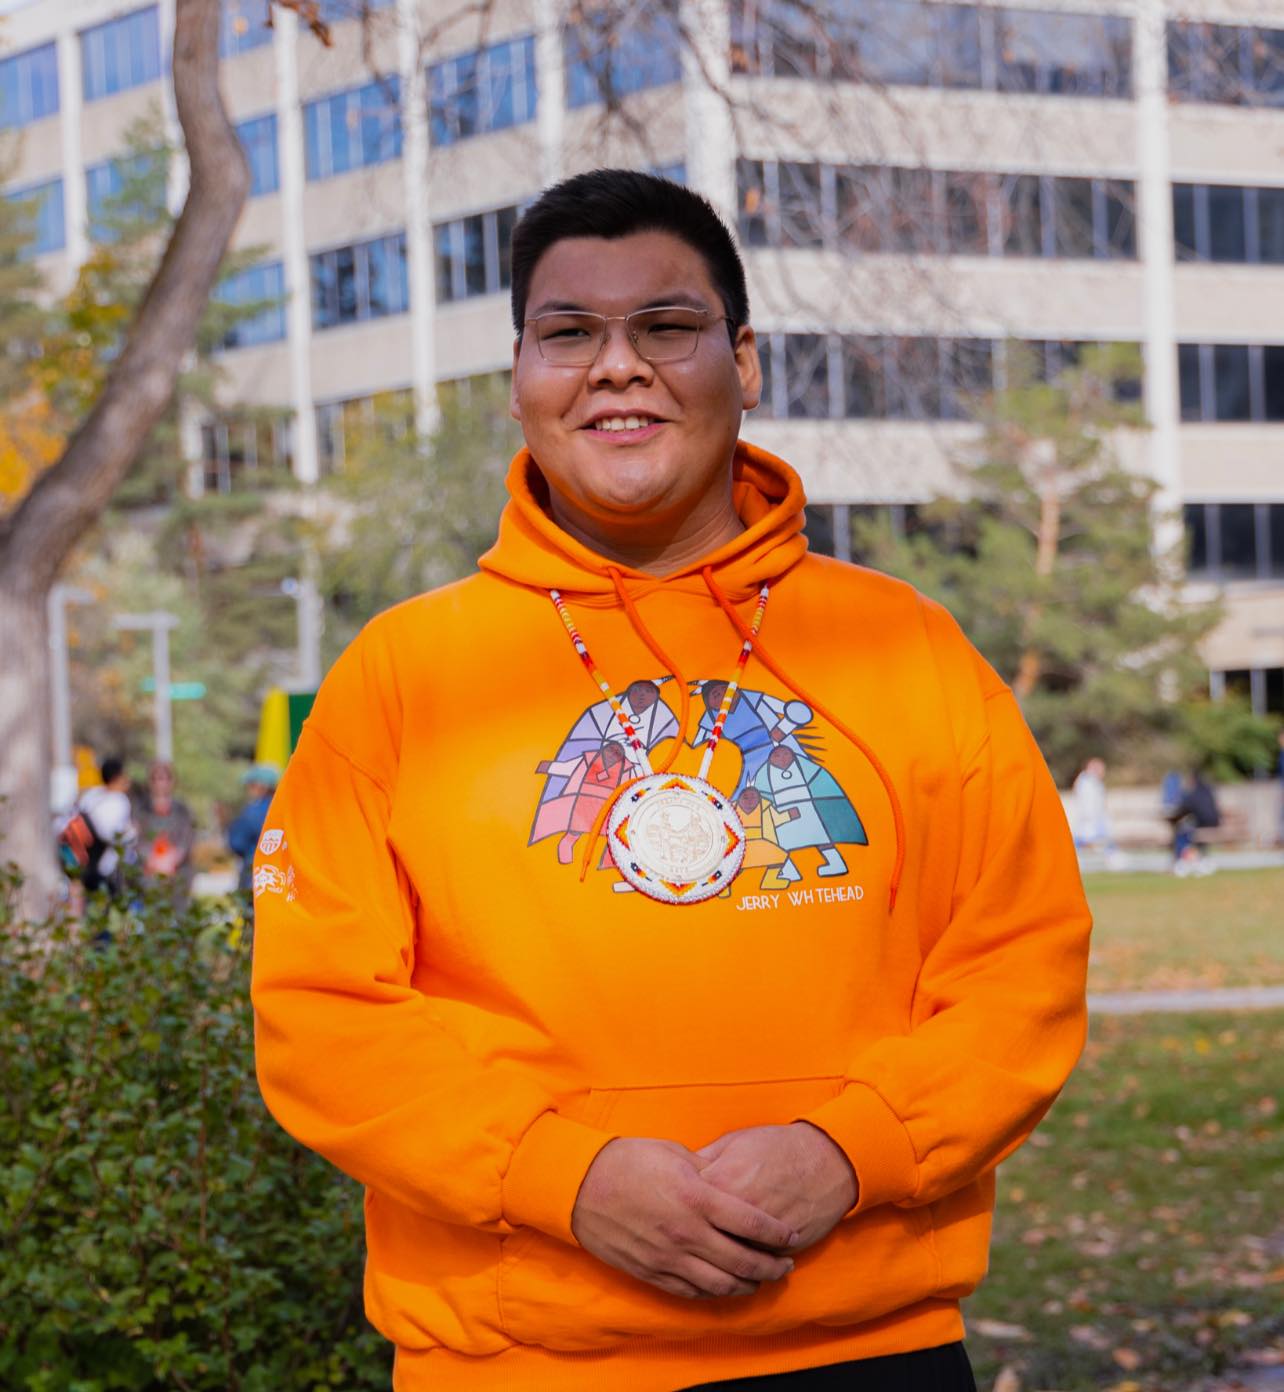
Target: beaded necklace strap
(631,734)
(729,696)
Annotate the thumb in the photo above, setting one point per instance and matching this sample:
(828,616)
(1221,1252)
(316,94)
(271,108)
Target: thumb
(710,1152)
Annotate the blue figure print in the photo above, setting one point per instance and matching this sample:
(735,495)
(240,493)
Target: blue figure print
(756,724)
(792,782)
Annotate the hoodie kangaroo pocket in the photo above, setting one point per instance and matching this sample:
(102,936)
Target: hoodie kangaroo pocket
(563,1298)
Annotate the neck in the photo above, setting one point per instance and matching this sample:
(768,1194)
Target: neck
(649,548)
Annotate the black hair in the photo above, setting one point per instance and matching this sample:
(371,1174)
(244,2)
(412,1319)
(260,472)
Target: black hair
(615,203)
(111,769)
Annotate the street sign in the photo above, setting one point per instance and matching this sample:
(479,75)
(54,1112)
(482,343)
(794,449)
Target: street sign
(178,691)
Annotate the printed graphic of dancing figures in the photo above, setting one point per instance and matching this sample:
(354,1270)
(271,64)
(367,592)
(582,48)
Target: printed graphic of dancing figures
(593,761)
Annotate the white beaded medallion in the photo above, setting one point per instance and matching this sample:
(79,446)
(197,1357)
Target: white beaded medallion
(676,838)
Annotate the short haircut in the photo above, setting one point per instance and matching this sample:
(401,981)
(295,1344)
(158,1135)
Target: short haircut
(615,203)
(111,769)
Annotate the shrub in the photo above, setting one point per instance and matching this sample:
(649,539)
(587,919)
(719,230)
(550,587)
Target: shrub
(157,1230)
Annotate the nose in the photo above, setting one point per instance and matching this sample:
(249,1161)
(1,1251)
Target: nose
(618,361)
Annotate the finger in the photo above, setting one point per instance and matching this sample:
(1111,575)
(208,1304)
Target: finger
(715,1148)
(746,1263)
(675,1285)
(741,1219)
(712,1281)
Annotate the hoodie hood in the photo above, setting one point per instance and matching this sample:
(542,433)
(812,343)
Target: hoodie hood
(533,550)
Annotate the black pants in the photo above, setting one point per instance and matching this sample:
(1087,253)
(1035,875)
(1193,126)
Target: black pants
(944,1369)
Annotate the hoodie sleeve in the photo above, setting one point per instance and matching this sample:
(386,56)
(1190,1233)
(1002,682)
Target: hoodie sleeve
(351,1058)
(999,1014)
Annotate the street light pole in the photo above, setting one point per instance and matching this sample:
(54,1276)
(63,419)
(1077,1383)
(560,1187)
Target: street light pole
(159,624)
(65,782)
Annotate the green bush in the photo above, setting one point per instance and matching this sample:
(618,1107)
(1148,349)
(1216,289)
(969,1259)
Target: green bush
(157,1230)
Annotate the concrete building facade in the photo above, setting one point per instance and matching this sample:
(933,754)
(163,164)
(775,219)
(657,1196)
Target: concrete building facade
(915,185)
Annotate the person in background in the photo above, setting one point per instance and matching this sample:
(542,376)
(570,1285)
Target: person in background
(166,834)
(1196,811)
(111,816)
(1279,769)
(1091,821)
(246,827)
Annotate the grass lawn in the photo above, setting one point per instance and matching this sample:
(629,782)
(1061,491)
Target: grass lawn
(1156,932)
(1139,1239)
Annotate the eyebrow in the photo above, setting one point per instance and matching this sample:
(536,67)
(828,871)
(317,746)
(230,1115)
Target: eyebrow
(677,297)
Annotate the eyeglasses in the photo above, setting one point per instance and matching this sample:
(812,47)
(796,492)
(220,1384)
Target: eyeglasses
(668,333)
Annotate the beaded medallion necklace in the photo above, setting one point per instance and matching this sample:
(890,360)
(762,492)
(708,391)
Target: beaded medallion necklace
(673,836)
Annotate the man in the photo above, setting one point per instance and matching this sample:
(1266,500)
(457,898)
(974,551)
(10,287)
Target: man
(107,808)
(243,830)
(654,1140)
(167,834)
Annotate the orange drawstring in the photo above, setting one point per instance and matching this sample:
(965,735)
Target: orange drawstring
(665,661)
(803,694)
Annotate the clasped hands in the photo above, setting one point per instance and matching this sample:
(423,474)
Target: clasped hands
(718,1221)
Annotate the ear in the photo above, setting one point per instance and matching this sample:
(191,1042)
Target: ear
(748,367)
(514,409)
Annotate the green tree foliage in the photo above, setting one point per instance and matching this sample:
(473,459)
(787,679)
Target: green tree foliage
(1047,559)
(409,512)
(158,1231)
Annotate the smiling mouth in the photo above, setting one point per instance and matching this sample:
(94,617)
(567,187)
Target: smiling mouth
(624,429)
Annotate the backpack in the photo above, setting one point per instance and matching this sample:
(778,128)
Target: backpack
(80,848)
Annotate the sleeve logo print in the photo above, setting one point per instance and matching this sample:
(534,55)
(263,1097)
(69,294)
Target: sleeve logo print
(268,879)
(272,842)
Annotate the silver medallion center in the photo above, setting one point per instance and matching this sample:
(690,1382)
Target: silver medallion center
(678,835)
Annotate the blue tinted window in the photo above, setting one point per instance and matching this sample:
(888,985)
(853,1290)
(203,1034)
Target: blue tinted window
(610,56)
(473,254)
(29,86)
(47,215)
(243,26)
(333,11)
(365,281)
(258,138)
(488,89)
(262,285)
(353,129)
(120,54)
(1064,54)
(110,182)
(1239,65)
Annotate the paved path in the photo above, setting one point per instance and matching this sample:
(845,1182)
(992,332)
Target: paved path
(1145,1002)
(1161,861)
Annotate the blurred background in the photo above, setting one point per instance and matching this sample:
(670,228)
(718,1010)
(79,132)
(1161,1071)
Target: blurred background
(1017,275)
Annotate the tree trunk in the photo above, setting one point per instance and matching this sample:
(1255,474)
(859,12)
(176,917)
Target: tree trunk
(1030,667)
(38,536)
(25,746)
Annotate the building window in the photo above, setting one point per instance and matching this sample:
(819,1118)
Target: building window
(610,56)
(243,25)
(1228,223)
(807,376)
(1068,55)
(262,286)
(862,209)
(364,281)
(904,42)
(1231,381)
(340,424)
(488,89)
(28,86)
(241,452)
(120,54)
(1238,65)
(258,139)
(335,11)
(1235,541)
(48,220)
(473,254)
(123,189)
(353,129)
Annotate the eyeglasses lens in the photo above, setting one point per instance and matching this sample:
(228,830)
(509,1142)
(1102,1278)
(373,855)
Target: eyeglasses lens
(660,335)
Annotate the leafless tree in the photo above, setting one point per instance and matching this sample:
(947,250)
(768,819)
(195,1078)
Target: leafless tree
(38,535)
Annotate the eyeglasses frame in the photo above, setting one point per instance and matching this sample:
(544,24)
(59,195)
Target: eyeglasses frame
(707,317)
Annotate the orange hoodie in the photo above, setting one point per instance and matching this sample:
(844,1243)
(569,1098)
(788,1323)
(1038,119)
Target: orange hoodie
(457,1005)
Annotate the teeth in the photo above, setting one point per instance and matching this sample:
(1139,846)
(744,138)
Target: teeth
(622,423)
